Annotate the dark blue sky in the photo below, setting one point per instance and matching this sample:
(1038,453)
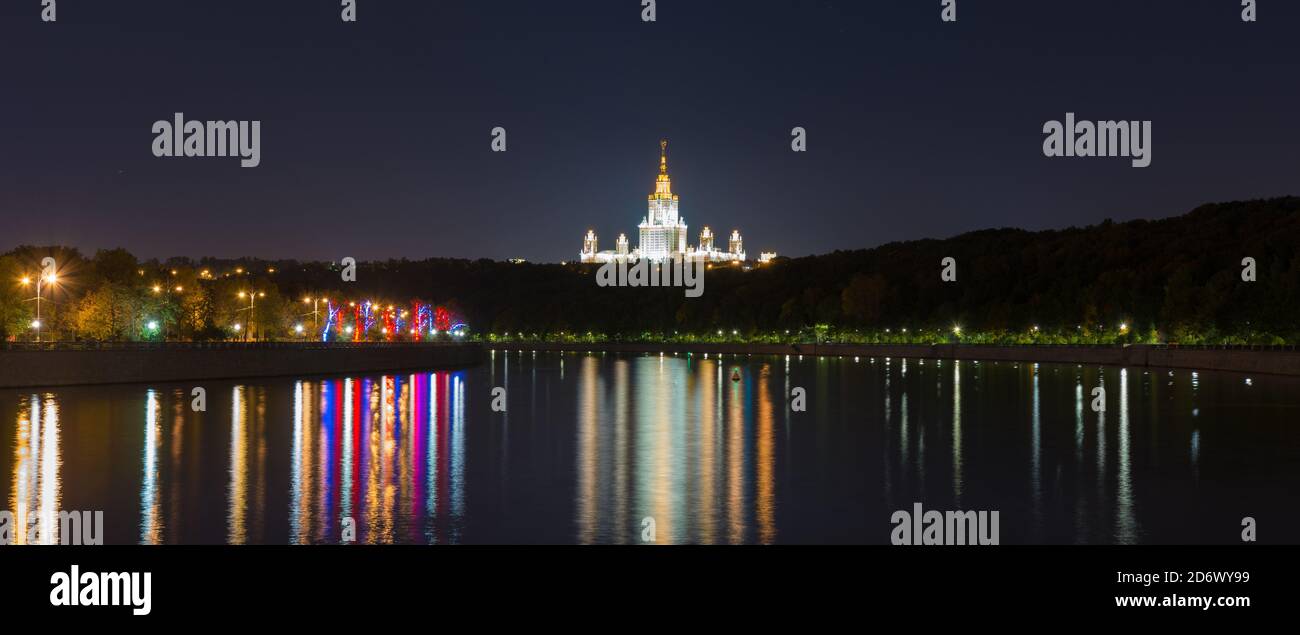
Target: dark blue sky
(375,135)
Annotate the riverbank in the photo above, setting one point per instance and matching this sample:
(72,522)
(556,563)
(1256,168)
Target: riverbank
(63,365)
(1256,360)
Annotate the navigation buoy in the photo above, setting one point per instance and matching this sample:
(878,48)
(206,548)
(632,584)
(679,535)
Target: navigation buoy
(735,375)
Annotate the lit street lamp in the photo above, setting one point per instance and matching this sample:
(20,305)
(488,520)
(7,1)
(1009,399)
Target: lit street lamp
(158,290)
(251,308)
(315,311)
(41,280)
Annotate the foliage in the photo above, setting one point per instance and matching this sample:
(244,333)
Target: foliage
(1176,279)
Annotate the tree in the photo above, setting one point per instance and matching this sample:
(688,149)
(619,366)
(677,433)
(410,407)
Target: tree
(862,299)
(107,312)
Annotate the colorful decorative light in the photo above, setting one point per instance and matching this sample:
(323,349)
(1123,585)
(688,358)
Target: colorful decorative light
(388,320)
(370,316)
(390,324)
(331,321)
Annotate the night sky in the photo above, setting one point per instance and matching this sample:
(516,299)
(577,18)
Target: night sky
(376,135)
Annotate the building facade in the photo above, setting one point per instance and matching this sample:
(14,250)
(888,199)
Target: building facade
(662,232)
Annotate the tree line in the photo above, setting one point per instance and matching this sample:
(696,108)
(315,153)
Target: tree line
(1179,279)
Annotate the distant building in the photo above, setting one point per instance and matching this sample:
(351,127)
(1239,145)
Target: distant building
(662,233)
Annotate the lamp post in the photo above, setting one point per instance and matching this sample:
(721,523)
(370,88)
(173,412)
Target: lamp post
(40,281)
(251,308)
(157,290)
(315,312)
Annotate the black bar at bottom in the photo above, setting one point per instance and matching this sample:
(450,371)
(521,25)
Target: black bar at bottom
(735,585)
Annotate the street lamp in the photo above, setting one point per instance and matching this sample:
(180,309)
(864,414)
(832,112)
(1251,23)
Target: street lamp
(251,308)
(315,311)
(41,280)
(158,290)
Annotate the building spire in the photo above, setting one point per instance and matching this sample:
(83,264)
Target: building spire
(663,185)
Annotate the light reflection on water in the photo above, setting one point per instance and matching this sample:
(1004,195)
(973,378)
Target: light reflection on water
(35,493)
(150,523)
(679,449)
(685,446)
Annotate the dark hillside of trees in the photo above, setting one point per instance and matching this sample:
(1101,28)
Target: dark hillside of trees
(1177,279)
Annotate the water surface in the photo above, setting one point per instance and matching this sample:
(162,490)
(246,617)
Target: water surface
(607,448)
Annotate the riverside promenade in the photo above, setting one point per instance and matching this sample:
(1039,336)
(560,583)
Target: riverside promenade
(25,365)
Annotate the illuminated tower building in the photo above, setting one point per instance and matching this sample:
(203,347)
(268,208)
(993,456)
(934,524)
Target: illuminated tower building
(706,240)
(736,247)
(663,232)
